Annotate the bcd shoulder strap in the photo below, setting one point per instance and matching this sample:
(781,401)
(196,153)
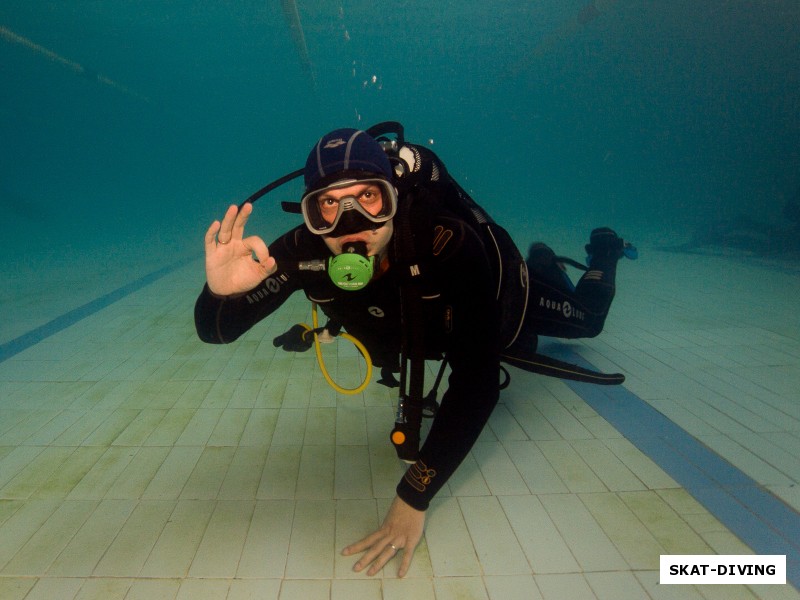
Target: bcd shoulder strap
(412,222)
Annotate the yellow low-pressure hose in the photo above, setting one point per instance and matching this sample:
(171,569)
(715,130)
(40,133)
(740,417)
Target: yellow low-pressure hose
(349,338)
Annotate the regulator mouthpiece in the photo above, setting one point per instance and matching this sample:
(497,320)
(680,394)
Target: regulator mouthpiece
(352,269)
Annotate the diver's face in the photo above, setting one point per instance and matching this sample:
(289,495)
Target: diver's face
(369,197)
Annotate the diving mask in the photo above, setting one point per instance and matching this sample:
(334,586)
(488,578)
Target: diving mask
(371,203)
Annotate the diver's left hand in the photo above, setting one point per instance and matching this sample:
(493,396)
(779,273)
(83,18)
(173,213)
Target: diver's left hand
(402,528)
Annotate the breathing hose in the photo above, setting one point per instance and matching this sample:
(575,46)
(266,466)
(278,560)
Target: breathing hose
(318,350)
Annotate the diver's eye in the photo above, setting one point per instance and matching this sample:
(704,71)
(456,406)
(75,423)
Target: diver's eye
(328,202)
(328,207)
(370,195)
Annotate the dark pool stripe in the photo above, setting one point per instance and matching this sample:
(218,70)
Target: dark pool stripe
(759,518)
(34,336)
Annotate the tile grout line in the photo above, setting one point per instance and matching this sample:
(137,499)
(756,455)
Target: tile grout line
(36,335)
(760,519)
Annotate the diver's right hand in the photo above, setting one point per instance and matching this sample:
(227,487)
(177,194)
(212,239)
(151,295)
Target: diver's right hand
(230,266)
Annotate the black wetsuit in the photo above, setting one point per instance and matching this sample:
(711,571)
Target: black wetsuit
(556,308)
(462,322)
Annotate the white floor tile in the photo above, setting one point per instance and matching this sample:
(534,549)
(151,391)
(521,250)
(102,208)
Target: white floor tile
(173,474)
(400,589)
(203,589)
(223,541)
(15,588)
(154,589)
(47,589)
(582,534)
(266,546)
(492,536)
(636,544)
(130,549)
(38,553)
(137,462)
(540,539)
(208,474)
(454,588)
(312,548)
(299,589)
(514,587)
(81,555)
(177,545)
(570,467)
(539,474)
(104,589)
(261,589)
(608,468)
(558,587)
(449,542)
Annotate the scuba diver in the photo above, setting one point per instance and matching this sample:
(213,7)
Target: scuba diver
(395,252)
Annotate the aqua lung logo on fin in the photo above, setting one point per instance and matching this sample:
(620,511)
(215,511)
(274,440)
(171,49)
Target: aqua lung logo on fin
(375,311)
(565,308)
(334,143)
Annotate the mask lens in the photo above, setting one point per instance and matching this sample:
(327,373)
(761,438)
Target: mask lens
(375,199)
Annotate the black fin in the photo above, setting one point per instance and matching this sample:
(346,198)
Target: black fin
(552,367)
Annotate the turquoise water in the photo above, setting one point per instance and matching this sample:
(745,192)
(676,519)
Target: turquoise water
(126,127)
